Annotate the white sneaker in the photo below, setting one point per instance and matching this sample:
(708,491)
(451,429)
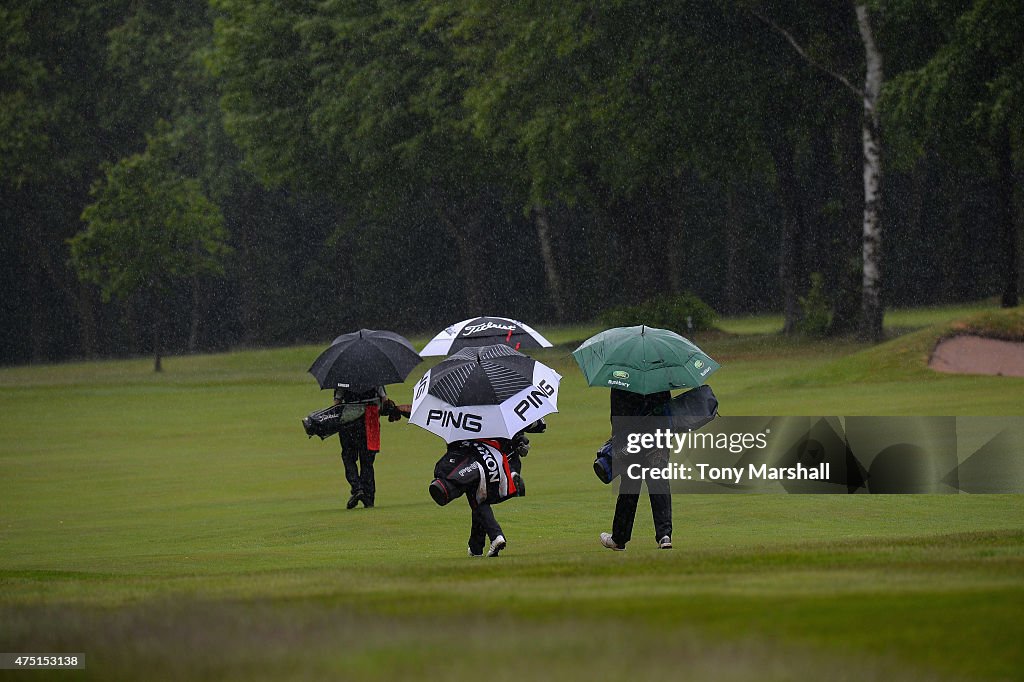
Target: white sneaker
(470,553)
(606,540)
(496,546)
(665,543)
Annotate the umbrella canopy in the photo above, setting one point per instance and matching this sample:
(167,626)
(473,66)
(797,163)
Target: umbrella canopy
(365,359)
(643,360)
(484,392)
(485,331)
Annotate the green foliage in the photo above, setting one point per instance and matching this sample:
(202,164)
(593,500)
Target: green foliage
(970,83)
(356,100)
(148,226)
(681,313)
(52,86)
(585,97)
(266,81)
(23,117)
(815,311)
(415,139)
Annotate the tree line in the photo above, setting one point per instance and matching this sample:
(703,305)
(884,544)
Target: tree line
(187,175)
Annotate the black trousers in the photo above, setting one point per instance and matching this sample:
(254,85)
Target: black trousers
(358,461)
(625,513)
(483,526)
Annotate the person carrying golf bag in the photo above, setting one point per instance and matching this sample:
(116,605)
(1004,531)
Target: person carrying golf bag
(483,471)
(481,401)
(686,412)
(359,434)
(626,404)
(642,365)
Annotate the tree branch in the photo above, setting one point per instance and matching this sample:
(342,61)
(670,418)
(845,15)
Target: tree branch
(806,57)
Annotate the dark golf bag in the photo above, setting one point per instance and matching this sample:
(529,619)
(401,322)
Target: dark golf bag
(323,423)
(479,470)
(603,463)
(693,409)
(689,411)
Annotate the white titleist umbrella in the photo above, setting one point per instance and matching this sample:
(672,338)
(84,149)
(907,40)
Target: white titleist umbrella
(484,392)
(485,331)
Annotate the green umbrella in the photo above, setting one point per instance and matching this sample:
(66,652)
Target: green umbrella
(643,360)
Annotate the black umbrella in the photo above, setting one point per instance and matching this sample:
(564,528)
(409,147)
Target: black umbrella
(365,359)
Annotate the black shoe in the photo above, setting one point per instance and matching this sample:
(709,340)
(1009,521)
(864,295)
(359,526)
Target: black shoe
(354,500)
(367,503)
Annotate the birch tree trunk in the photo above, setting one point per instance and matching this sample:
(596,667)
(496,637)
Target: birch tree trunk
(871,301)
(547,254)
(871,141)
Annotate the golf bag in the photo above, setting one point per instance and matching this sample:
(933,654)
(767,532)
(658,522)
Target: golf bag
(689,411)
(323,423)
(603,463)
(693,409)
(478,469)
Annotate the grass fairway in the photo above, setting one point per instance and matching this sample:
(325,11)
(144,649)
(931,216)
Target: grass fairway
(181,527)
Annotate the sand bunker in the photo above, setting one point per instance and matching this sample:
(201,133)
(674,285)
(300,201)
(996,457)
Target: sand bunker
(978,355)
